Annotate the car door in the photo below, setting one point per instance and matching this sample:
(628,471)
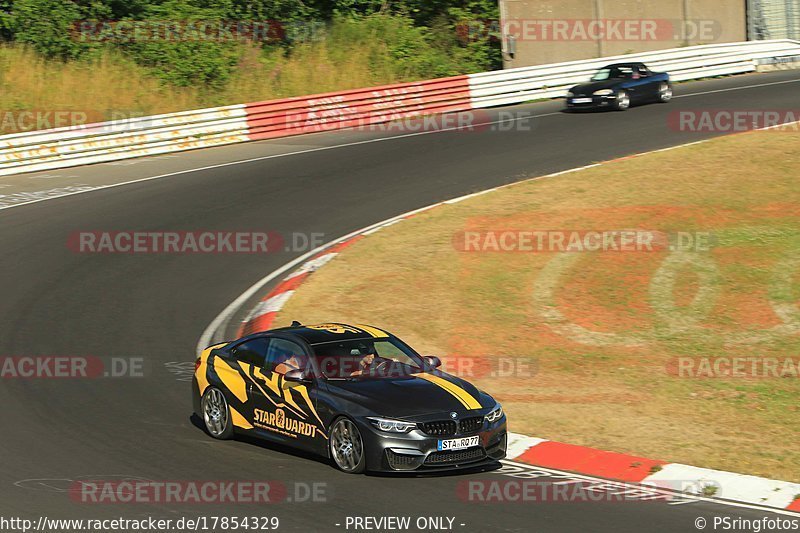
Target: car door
(238,374)
(649,84)
(285,411)
(634,84)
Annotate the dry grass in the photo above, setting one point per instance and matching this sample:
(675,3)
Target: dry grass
(619,396)
(112,86)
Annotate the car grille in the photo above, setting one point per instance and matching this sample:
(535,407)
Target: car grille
(444,428)
(470,425)
(440,428)
(449,458)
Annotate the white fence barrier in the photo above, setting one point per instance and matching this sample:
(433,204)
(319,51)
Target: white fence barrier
(513,86)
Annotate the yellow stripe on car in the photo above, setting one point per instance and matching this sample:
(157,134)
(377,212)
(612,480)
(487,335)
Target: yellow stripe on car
(466,399)
(375,332)
(231,378)
(238,420)
(272,382)
(287,388)
(202,371)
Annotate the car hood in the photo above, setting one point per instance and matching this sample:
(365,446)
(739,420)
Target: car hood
(589,88)
(412,396)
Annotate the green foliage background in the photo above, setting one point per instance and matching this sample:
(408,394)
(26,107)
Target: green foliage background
(418,38)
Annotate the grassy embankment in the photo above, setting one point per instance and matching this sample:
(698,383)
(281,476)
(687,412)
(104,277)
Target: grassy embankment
(603,330)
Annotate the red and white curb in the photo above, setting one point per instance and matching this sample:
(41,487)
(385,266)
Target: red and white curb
(531,450)
(660,474)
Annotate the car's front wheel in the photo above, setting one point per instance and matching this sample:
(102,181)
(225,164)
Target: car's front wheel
(216,414)
(347,446)
(623,101)
(665,93)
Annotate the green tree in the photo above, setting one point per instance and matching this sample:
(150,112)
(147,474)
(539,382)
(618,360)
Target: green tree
(190,58)
(50,26)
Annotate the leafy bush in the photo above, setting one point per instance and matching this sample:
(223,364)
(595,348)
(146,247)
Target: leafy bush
(186,61)
(377,40)
(48,25)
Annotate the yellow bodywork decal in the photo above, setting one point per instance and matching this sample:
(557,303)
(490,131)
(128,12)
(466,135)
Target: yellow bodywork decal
(202,371)
(238,420)
(231,378)
(337,329)
(304,393)
(288,387)
(466,399)
(271,382)
(375,332)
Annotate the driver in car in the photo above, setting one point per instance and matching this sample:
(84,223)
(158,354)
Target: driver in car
(367,358)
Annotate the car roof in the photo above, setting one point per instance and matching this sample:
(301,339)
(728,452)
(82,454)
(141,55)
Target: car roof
(333,331)
(617,65)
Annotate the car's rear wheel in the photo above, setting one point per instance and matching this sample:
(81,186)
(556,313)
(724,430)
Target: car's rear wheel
(216,414)
(623,101)
(665,93)
(347,446)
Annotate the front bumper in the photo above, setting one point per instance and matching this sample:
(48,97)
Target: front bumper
(590,102)
(417,451)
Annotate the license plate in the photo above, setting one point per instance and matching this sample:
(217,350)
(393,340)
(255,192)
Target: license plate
(458,444)
(581,100)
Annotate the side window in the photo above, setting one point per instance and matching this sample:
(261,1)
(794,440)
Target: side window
(283,355)
(251,352)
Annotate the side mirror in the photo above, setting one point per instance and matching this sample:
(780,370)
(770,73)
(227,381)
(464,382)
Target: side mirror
(431,361)
(296,376)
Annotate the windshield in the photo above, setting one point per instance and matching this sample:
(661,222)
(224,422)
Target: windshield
(613,72)
(366,359)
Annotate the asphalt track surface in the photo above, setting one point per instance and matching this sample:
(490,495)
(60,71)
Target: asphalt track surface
(57,302)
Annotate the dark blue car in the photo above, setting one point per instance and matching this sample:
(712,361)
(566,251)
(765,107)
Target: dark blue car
(619,86)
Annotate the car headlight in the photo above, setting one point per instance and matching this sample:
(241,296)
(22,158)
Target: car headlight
(604,92)
(495,413)
(391,426)
(570,94)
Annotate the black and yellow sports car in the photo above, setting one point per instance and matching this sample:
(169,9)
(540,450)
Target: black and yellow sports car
(355,394)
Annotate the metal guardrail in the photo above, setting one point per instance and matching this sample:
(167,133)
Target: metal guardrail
(187,130)
(552,81)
